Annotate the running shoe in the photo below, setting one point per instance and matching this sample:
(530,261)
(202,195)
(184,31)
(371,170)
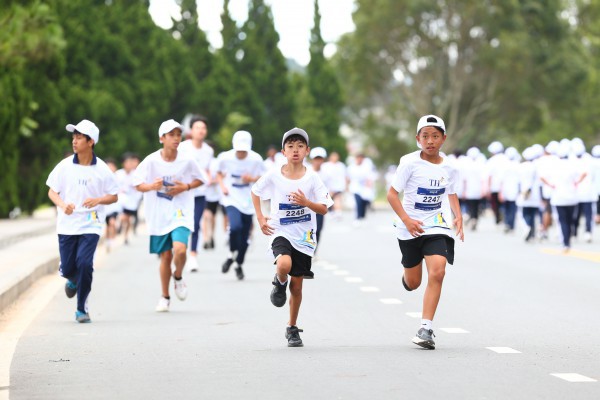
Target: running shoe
(180,289)
(192,263)
(239,272)
(292,334)
(278,294)
(70,289)
(424,338)
(226,265)
(82,317)
(163,305)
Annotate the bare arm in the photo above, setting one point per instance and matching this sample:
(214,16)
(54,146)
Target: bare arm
(300,199)
(58,202)
(414,226)
(263,221)
(458,222)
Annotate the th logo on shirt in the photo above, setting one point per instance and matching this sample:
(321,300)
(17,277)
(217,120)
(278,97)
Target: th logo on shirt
(84,182)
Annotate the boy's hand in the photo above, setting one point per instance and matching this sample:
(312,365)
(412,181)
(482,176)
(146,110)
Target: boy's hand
(90,203)
(458,223)
(299,198)
(69,208)
(414,227)
(176,189)
(247,178)
(263,222)
(157,184)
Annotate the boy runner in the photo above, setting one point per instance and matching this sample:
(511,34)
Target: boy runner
(79,187)
(297,194)
(429,182)
(166,178)
(129,197)
(237,169)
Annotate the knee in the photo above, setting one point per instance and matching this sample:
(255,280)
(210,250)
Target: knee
(296,287)
(437,275)
(411,283)
(179,251)
(284,264)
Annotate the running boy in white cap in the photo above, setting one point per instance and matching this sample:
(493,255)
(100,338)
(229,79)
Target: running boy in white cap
(166,178)
(237,169)
(297,194)
(79,187)
(429,182)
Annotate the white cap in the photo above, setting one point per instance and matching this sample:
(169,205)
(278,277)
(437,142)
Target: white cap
(168,126)
(512,154)
(318,152)
(552,147)
(578,147)
(473,153)
(87,128)
(431,120)
(242,141)
(495,147)
(538,150)
(596,151)
(294,131)
(564,148)
(529,153)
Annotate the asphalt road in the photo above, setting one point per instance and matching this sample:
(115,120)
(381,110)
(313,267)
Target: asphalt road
(512,319)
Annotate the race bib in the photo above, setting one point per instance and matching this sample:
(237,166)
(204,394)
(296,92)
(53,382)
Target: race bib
(293,214)
(178,214)
(437,221)
(93,220)
(429,199)
(308,240)
(163,192)
(237,181)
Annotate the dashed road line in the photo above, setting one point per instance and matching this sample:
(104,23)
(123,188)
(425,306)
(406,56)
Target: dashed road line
(504,350)
(454,330)
(414,314)
(573,377)
(369,289)
(353,279)
(341,272)
(390,301)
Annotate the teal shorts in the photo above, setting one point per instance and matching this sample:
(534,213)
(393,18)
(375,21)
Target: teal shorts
(160,244)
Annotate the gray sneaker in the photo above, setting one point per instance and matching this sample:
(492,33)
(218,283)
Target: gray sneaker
(292,334)
(424,338)
(278,294)
(70,289)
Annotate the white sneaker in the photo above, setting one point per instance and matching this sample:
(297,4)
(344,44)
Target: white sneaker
(192,264)
(587,237)
(163,305)
(180,289)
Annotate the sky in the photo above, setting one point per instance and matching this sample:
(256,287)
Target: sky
(293,21)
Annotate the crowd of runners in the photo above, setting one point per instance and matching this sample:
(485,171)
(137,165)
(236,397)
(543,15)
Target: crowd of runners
(186,182)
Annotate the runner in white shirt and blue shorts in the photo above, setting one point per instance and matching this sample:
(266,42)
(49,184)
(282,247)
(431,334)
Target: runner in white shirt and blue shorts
(424,231)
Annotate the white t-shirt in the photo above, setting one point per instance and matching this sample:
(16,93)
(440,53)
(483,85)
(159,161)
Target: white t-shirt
(75,183)
(563,176)
(362,179)
(472,177)
(544,165)
(233,169)
(295,223)
(426,187)
(203,156)
(213,190)
(337,176)
(129,197)
(510,181)
(495,168)
(529,185)
(165,213)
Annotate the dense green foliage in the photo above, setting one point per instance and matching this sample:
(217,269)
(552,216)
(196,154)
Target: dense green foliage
(519,71)
(107,61)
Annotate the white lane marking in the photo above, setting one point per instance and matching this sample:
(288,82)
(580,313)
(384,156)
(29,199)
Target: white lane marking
(390,301)
(454,330)
(330,267)
(341,272)
(414,314)
(353,279)
(573,377)
(503,350)
(369,289)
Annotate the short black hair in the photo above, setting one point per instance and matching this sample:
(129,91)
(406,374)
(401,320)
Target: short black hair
(87,138)
(295,138)
(198,118)
(129,155)
(440,130)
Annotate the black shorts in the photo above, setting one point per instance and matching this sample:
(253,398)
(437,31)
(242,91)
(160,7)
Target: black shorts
(111,216)
(414,250)
(131,213)
(301,263)
(212,206)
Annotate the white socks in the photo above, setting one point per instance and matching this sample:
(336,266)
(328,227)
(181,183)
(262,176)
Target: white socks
(283,283)
(427,324)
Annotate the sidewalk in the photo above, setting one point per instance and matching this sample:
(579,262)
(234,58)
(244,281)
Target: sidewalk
(28,251)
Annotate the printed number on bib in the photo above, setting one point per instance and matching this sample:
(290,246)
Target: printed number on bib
(429,199)
(293,214)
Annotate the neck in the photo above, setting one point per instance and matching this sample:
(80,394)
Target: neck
(85,157)
(197,143)
(293,169)
(434,159)
(168,155)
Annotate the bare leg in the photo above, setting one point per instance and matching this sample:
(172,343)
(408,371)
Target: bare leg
(284,266)
(436,269)
(295,298)
(179,258)
(413,276)
(165,271)
(208,226)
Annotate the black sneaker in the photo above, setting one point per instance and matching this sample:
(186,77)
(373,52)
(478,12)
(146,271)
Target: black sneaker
(239,272)
(226,265)
(278,294)
(424,338)
(70,289)
(292,334)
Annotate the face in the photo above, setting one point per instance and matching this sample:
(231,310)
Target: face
(241,154)
(295,151)
(81,143)
(199,130)
(111,166)
(334,157)
(130,164)
(431,140)
(171,140)
(316,162)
